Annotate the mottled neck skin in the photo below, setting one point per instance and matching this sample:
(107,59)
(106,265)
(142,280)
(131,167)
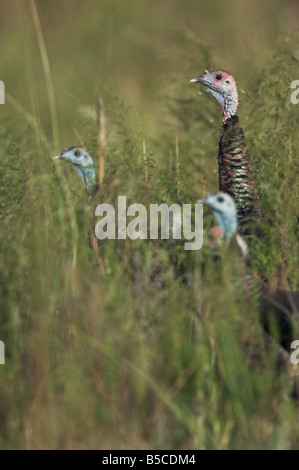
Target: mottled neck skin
(228,101)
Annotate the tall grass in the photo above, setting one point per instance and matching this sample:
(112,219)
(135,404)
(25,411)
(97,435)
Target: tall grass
(138,344)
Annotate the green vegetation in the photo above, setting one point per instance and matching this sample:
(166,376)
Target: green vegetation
(137,344)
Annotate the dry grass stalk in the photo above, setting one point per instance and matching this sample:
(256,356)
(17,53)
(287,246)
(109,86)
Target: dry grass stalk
(102,140)
(145,164)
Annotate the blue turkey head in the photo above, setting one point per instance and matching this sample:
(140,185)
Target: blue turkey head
(224,209)
(224,88)
(83,163)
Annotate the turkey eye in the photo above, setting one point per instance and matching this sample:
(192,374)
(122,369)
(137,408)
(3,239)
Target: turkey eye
(218,77)
(77,153)
(220,199)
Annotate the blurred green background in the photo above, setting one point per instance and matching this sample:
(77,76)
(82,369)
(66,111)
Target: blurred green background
(136,344)
(137,48)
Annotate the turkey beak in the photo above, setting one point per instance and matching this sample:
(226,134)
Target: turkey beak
(204,200)
(202,79)
(61,155)
(195,80)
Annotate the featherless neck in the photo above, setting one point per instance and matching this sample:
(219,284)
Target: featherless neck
(228,101)
(90,182)
(228,223)
(88,176)
(230,105)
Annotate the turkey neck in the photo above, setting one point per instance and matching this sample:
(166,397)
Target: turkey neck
(235,171)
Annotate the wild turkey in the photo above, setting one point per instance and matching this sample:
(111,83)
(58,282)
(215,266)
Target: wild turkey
(277,307)
(83,163)
(235,170)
